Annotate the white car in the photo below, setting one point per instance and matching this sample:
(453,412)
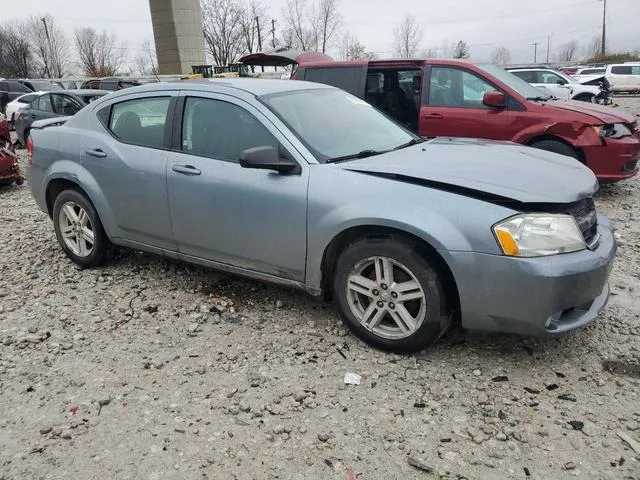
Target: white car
(18,104)
(587,74)
(561,85)
(624,77)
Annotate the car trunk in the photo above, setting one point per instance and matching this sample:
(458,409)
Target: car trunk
(283,57)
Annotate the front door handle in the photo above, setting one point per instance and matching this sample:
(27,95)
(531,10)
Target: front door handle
(96,152)
(186,169)
(434,116)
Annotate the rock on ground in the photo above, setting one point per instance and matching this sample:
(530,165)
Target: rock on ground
(147,368)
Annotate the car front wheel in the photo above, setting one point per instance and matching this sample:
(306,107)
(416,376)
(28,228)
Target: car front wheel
(389,294)
(78,229)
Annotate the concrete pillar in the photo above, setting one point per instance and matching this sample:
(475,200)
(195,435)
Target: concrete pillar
(177,28)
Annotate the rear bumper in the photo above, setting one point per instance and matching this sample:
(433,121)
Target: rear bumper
(617,160)
(533,296)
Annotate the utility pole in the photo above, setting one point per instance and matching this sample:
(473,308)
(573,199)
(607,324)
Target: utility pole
(46,63)
(603,50)
(548,46)
(535,52)
(259,37)
(273,37)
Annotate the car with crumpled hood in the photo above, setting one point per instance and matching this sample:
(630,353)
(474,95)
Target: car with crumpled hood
(439,97)
(308,186)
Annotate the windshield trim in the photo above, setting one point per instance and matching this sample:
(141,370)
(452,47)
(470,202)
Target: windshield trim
(318,156)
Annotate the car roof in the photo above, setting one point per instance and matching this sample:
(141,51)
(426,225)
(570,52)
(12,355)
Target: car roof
(252,86)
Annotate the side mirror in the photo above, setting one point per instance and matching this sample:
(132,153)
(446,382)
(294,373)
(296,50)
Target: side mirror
(266,158)
(494,99)
(561,81)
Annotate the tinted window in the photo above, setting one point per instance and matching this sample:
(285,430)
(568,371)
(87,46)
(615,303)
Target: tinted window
(65,105)
(591,71)
(18,87)
(95,84)
(140,121)
(528,76)
(108,85)
(43,104)
(221,130)
(454,87)
(4,86)
(621,70)
(27,98)
(347,78)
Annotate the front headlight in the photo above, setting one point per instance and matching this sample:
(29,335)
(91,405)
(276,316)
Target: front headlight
(613,130)
(538,234)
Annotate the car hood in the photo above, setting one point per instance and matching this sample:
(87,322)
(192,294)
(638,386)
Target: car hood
(599,112)
(484,169)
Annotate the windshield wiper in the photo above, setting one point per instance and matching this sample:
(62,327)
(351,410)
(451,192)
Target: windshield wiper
(413,141)
(539,99)
(354,156)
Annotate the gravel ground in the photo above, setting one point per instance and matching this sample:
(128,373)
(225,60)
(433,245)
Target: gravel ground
(148,368)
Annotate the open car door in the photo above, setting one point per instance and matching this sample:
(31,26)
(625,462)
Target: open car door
(284,57)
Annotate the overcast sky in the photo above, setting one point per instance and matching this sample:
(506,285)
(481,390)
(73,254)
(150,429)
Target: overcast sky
(484,24)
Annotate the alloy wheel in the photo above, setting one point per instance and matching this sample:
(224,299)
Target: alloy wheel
(76,229)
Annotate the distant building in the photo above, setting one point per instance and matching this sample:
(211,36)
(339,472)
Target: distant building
(177,29)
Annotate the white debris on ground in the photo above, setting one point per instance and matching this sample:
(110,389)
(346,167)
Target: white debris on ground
(148,368)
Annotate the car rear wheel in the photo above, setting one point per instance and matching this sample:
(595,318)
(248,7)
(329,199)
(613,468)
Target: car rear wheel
(556,147)
(389,295)
(78,229)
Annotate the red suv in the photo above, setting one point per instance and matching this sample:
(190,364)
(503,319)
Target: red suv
(461,99)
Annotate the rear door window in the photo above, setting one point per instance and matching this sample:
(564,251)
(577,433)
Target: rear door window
(65,105)
(621,70)
(43,104)
(141,121)
(109,85)
(350,79)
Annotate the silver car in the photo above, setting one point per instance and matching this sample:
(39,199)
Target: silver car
(306,185)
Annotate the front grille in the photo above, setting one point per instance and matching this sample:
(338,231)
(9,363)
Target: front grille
(584,211)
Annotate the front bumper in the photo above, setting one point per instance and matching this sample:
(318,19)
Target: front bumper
(617,160)
(533,296)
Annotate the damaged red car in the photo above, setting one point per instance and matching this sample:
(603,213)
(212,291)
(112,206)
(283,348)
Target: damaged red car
(9,169)
(453,98)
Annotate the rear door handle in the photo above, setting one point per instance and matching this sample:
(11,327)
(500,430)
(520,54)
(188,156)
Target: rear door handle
(186,169)
(433,116)
(96,152)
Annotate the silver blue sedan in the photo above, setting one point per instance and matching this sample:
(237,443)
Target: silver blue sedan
(305,185)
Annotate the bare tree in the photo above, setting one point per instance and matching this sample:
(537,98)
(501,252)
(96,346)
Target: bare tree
(431,52)
(253,19)
(568,52)
(501,56)
(328,20)
(222,22)
(407,37)
(312,27)
(301,34)
(462,50)
(49,46)
(145,61)
(594,50)
(352,49)
(99,54)
(15,54)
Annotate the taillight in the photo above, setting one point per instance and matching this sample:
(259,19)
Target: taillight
(29,150)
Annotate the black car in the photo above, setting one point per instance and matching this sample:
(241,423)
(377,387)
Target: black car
(109,84)
(46,105)
(9,91)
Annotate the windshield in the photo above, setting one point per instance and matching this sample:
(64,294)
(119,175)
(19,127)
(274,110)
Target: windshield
(46,86)
(334,124)
(515,83)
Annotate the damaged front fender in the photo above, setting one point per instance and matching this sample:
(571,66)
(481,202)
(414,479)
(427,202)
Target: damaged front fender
(577,134)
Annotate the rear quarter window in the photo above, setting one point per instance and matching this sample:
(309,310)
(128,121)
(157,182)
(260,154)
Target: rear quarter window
(350,79)
(621,70)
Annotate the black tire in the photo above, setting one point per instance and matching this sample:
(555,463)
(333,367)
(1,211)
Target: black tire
(102,246)
(585,97)
(405,252)
(556,147)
